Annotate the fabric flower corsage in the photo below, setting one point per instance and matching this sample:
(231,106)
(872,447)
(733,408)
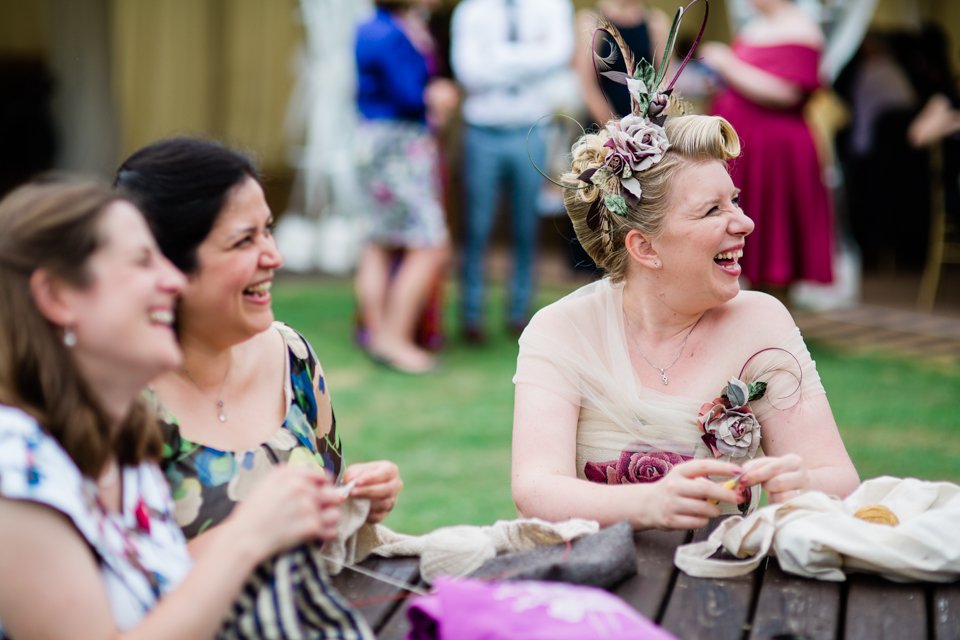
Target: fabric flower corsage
(727,423)
(633,467)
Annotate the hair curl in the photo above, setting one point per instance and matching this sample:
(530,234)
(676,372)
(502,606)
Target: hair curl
(693,138)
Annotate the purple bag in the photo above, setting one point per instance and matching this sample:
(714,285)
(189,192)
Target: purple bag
(477,610)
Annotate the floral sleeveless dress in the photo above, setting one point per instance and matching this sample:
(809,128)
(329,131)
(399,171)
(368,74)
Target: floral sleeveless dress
(206,483)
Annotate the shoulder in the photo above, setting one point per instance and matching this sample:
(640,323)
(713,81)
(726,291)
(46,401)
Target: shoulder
(582,313)
(303,357)
(803,29)
(15,422)
(658,21)
(762,306)
(586,19)
(794,27)
(378,35)
(293,340)
(758,320)
(465,9)
(36,468)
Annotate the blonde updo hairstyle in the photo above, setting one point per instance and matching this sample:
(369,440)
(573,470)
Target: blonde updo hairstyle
(693,138)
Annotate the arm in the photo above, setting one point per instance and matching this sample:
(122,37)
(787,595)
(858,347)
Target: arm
(545,484)
(804,452)
(755,84)
(482,60)
(56,571)
(802,442)
(935,121)
(379,481)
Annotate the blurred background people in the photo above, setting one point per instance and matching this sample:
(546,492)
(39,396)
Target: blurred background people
(769,73)
(400,97)
(644,29)
(507,55)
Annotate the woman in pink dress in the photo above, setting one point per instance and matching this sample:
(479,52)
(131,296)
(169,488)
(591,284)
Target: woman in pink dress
(769,72)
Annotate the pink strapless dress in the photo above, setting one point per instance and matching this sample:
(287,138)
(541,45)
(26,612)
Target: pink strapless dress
(779,174)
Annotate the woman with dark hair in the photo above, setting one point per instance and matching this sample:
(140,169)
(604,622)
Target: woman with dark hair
(250,393)
(88,544)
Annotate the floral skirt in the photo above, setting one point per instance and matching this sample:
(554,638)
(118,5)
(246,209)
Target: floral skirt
(400,177)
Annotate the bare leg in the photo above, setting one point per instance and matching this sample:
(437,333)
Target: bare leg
(405,297)
(370,284)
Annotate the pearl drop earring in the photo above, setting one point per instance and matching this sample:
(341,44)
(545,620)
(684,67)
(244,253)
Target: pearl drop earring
(69,338)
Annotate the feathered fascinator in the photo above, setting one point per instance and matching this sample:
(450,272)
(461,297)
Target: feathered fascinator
(637,141)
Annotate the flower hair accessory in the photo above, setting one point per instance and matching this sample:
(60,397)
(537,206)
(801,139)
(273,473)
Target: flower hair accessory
(638,141)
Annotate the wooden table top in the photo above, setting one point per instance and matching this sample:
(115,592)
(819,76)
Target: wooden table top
(767,603)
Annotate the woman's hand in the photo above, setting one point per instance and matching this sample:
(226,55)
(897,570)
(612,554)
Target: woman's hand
(686,498)
(379,482)
(784,477)
(715,55)
(290,505)
(442,98)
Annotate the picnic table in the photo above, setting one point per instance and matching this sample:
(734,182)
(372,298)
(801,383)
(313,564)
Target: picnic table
(766,603)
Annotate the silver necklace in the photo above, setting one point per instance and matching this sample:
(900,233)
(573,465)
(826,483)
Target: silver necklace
(221,409)
(663,370)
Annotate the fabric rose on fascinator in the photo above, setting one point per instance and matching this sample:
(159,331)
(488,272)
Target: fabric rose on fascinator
(635,144)
(728,424)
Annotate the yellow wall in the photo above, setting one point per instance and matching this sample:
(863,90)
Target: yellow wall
(23,27)
(206,67)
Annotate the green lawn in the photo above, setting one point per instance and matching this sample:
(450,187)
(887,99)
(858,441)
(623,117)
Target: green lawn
(450,431)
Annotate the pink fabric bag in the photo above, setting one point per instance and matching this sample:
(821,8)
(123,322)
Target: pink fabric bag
(477,610)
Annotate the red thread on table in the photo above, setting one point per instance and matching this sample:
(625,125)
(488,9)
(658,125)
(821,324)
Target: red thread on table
(384,598)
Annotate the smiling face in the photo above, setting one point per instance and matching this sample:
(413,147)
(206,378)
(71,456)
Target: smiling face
(703,233)
(227,300)
(123,318)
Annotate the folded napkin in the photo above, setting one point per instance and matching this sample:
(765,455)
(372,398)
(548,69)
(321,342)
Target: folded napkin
(820,536)
(448,551)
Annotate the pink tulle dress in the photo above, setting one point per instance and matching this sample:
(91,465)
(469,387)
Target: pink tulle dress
(779,174)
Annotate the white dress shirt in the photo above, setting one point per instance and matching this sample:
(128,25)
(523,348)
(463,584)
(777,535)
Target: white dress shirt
(510,83)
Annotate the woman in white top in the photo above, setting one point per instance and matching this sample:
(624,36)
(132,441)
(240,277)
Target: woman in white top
(88,544)
(625,404)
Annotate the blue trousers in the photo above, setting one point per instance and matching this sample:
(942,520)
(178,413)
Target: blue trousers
(496,159)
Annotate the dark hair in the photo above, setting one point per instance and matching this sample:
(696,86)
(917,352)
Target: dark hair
(182,184)
(54,224)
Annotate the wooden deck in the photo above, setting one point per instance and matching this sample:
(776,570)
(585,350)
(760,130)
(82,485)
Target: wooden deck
(767,604)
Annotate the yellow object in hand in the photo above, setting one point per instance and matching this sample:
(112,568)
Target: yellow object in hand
(727,484)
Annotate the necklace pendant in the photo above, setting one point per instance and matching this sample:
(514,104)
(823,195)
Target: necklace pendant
(663,377)
(221,415)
